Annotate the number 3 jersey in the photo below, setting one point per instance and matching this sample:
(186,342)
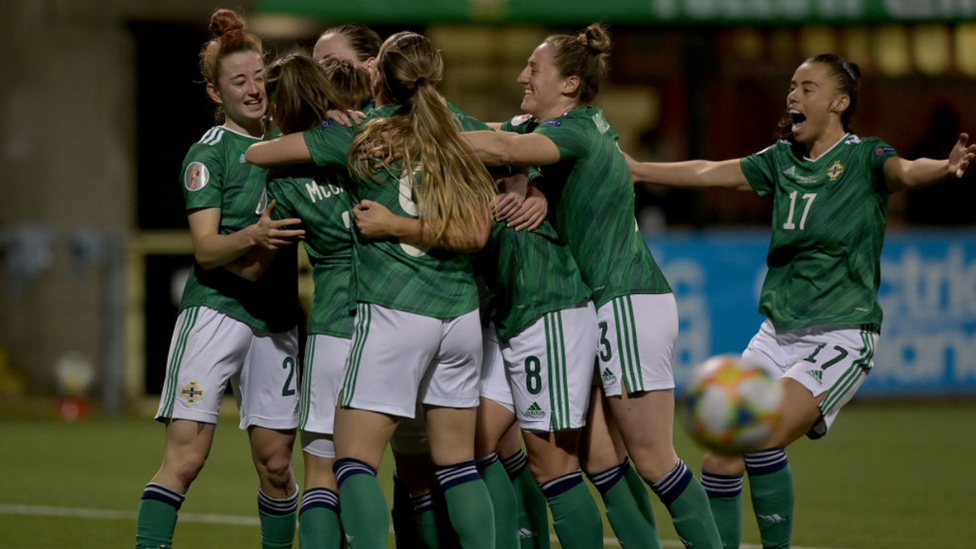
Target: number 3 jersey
(215,175)
(829,218)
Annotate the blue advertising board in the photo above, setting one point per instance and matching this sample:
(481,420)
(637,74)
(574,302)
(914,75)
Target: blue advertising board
(928,293)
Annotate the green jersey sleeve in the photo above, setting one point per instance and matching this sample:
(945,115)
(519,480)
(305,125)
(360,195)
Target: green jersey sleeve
(203,175)
(760,168)
(329,143)
(573,139)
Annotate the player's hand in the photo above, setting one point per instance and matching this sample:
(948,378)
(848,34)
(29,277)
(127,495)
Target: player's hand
(532,212)
(373,220)
(511,195)
(961,156)
(271,233)
(345,118)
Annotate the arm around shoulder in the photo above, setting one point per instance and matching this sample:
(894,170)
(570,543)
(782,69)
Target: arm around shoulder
(506,148)
(288,149)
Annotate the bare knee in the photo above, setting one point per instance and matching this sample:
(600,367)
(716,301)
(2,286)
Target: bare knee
(718,464)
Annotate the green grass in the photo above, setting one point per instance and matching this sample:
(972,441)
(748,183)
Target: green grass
(891,475)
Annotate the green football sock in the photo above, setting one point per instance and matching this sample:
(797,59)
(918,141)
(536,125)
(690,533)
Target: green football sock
(426,526)
(575,515)
(503,502)
(685,499)
(468,504)
(278,520)
(627,518)
(639,491)
(318,520)
(363,513)
(533,511)
(157,516)
(771,488)
(725,498)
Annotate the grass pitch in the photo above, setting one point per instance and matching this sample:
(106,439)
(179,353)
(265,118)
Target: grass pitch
(890,475)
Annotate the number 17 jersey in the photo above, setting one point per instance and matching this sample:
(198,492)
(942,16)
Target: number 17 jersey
(829,218)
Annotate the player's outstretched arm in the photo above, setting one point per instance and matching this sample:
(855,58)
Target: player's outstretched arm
(901,174)
(505,148)
(287,149)
(691,174)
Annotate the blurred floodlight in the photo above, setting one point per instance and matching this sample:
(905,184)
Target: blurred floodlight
(891,50)
(817,39)
(856,45)
(284,26)
(966,48)
(930,48)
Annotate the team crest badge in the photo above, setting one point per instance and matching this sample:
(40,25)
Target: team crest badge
(192,392)
(196,176)
(834,172)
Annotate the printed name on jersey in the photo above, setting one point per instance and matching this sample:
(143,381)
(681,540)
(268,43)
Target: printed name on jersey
(520,119)
(601,122)
(196,176)
(835,171)
(553,122)
(881,150)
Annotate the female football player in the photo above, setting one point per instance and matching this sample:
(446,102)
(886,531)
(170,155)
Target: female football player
(830,192)
(230,329)
(417,336)
(587,180)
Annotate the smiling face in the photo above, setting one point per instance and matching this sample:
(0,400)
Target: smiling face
(815,105)
(546,88)
(240,91)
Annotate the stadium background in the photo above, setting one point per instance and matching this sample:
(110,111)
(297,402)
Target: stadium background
(101,99)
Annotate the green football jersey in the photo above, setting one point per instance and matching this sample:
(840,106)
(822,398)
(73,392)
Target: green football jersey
(829,218)
(529,273)
(388,272)
(593,193)
(319,197)
(215,175)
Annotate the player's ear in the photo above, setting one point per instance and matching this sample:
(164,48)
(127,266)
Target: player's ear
(214,94)
(840,103)
(571,85)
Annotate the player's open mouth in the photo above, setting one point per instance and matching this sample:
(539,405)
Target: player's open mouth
(254,103)
(798,120)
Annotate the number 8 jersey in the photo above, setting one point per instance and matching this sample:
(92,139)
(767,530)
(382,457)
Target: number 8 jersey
(829,218)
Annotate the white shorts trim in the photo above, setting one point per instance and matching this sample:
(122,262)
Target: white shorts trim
(494,376)
(636,340)
(550,369)
(210,349)
(398,359)
(325,362)
(824,359)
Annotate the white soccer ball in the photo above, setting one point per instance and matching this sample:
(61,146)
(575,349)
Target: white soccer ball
(731,407)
